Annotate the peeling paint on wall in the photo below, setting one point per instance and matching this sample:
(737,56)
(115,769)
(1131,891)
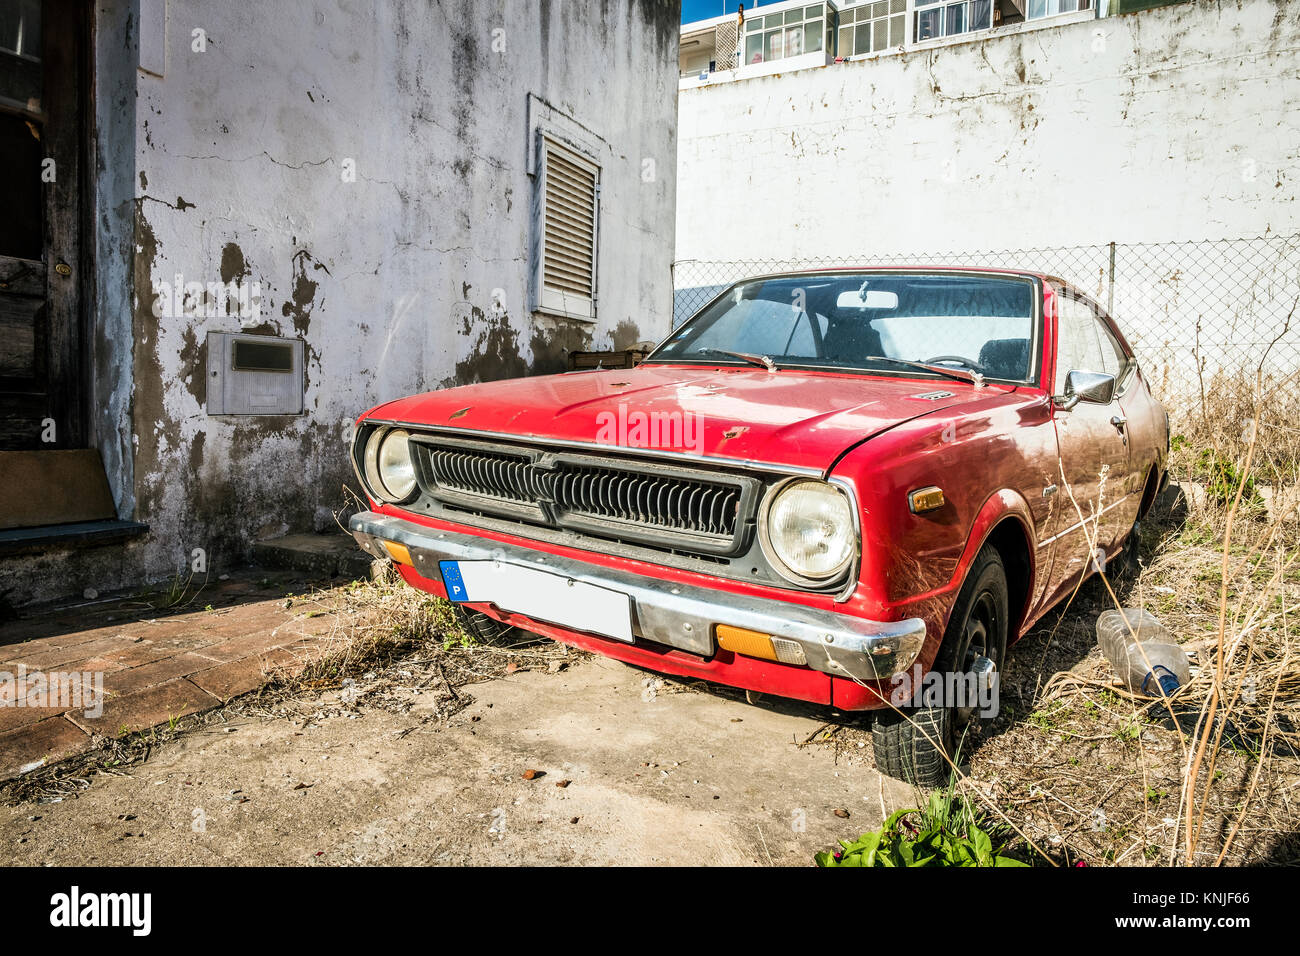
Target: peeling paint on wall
(494,353)
(551,344)
(298,307)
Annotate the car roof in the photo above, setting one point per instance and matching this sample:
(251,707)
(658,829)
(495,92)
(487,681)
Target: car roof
(1046,277)
(918,267)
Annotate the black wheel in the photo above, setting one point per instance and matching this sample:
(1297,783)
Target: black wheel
(911,744)
(479,626)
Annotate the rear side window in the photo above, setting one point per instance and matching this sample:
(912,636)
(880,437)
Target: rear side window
(1112,353)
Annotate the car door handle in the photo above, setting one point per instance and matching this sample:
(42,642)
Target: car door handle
(1119,421)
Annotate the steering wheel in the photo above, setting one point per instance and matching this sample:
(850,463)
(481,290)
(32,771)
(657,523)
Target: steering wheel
(969,363)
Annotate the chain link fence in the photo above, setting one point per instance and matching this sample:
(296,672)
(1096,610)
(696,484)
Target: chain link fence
(1191,310)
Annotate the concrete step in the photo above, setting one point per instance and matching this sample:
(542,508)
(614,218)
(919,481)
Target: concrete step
(329,555)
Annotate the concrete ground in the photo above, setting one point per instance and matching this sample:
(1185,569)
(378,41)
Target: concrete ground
(632,771)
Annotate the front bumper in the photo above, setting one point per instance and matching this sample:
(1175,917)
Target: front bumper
(678,615)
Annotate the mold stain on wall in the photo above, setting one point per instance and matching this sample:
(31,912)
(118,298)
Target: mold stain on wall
(494,353)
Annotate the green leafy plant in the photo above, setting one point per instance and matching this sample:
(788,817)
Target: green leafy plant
(1128,732)
(1222,477)
(946,832)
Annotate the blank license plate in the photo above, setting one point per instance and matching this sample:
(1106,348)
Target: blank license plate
(541,595)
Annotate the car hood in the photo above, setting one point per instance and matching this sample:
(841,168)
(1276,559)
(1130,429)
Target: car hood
(788,417)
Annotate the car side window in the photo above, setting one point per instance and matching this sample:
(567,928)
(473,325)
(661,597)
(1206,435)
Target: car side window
(1078,341)
(1113,358)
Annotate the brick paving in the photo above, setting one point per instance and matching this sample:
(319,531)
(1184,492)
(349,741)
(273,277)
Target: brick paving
(155,667)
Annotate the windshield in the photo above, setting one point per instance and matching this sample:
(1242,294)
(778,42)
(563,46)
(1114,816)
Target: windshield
(867,321)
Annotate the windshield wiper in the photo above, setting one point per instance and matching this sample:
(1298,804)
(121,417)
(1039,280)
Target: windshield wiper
(961,375)
(762,361)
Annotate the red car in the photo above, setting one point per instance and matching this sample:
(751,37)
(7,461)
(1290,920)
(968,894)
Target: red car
(850,487)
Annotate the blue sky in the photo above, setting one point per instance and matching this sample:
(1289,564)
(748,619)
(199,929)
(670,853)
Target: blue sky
(693,10)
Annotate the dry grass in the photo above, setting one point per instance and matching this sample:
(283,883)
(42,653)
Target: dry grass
(1086,773)
(391,643)
(1100,776)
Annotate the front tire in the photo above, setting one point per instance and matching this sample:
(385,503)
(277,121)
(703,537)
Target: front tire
(478,626)
(915,744)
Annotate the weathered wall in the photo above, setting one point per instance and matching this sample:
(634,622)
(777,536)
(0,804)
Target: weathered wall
(1177,123)
(231,166)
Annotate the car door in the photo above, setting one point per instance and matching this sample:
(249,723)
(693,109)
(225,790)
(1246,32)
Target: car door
(1143,419)
(1094,496)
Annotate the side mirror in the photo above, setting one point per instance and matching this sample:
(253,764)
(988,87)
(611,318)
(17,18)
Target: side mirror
(1094,387)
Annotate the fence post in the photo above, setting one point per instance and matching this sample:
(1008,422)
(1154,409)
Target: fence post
(1110,285)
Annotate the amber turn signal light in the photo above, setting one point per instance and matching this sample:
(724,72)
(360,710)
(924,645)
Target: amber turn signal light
(740,640)
(925,499)
(398,552)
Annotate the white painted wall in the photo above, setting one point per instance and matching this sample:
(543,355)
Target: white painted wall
(1169,124)
(228,162)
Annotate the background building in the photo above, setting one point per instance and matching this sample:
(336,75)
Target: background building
(1149,157)
(238,226)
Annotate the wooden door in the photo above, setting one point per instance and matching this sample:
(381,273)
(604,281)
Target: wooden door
(42,69)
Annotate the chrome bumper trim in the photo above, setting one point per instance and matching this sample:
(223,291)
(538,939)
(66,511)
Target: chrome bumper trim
(678,615)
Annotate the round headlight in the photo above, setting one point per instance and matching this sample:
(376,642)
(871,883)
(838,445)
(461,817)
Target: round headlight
(808,530)
(389,468)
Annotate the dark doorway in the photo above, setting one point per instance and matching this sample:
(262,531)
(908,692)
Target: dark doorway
(42,146)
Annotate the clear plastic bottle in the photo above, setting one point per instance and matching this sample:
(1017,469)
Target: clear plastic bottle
(1142,652)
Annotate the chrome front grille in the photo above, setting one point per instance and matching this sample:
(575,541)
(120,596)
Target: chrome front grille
(683,509)
(674,504)
(494,474)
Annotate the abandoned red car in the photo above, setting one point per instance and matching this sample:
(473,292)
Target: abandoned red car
(822,486)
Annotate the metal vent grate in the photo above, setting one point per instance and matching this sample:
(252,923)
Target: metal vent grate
(569,203)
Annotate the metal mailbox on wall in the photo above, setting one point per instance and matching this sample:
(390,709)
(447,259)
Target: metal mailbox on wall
(254,375)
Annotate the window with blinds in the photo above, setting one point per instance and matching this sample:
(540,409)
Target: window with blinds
(570,199)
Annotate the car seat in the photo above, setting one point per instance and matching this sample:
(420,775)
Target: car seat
(1005,358)
(851,340)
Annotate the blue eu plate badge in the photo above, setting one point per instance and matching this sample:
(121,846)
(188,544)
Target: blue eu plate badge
(453,581)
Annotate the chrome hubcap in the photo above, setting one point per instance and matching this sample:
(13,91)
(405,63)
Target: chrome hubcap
(981,628)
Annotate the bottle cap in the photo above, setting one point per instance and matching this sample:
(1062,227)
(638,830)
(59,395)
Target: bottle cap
(1166,678)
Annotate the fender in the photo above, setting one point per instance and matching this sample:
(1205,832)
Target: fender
(1006,504)
(1000,505)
